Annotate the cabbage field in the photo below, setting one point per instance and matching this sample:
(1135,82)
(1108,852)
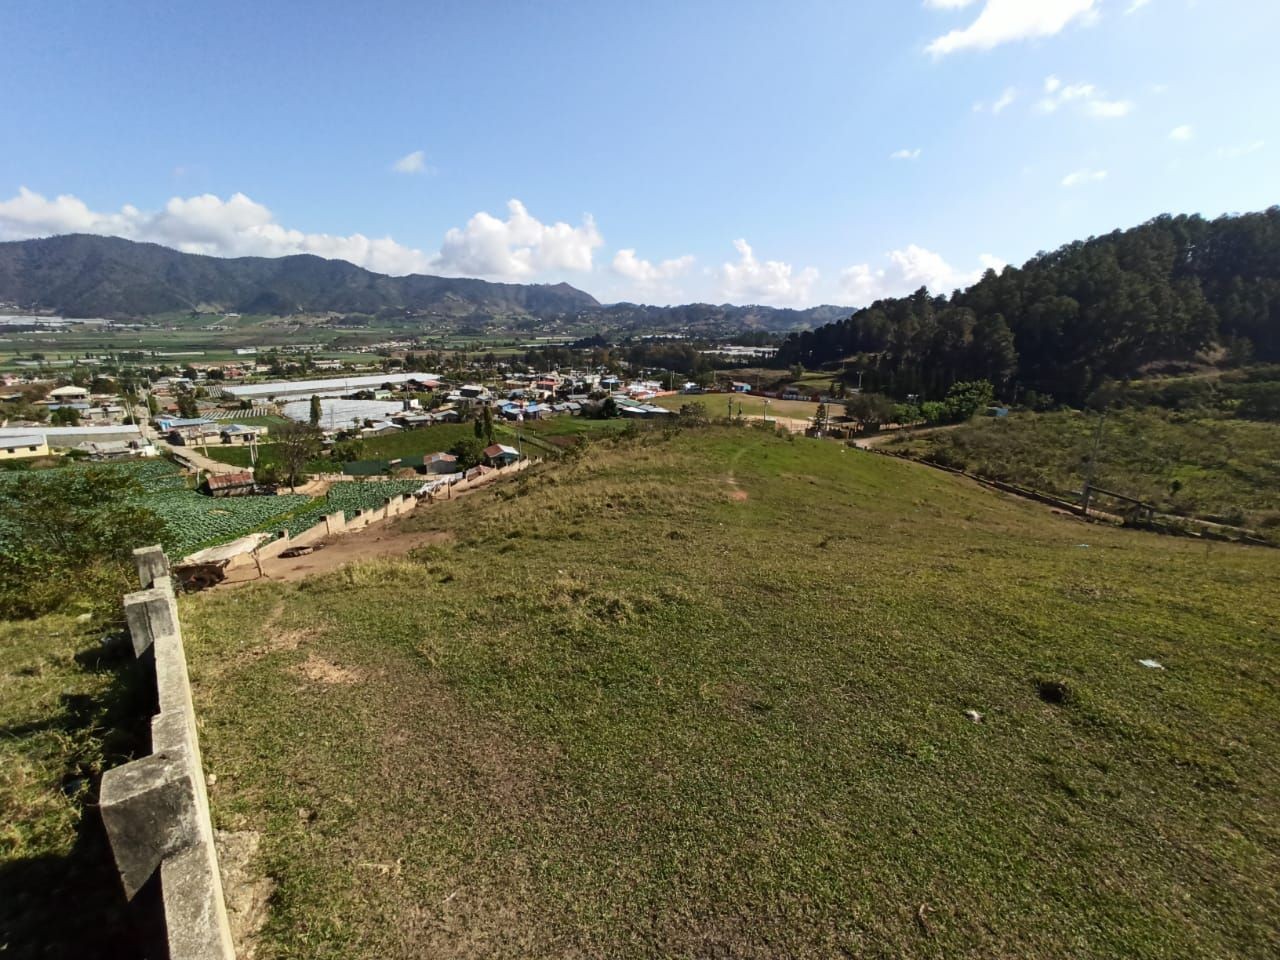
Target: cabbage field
(194,521)
(350,497)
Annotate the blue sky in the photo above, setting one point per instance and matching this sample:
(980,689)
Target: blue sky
(786,153)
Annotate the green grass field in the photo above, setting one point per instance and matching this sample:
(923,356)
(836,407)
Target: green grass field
(68,711)
(406,443)
(1203,466)
(717,405)
(708,697)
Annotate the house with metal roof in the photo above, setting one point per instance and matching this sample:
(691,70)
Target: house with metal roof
(500,454)
(23,445)
(440,463)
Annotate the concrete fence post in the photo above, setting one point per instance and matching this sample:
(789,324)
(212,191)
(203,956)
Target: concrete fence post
(151,564)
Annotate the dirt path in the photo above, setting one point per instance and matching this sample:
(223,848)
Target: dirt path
(384,540)
(193,459)
(880,439)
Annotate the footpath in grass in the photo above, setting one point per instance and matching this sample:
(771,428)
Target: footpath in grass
(734,695)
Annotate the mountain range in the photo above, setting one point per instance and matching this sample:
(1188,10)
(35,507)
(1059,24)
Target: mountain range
(93,276)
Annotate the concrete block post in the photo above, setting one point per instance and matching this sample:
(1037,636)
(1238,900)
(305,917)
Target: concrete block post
(151,564)
(150,614)
(149,810)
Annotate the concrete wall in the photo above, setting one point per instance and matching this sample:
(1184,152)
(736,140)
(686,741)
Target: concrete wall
(155,809)
(335,524)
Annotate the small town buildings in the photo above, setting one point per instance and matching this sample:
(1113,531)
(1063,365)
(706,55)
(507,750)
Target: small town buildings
(436,463)
(238,484)
(500,454)
(116,449)
(379,428)
(239,433)
(66,438)
(28,445)
(69,393)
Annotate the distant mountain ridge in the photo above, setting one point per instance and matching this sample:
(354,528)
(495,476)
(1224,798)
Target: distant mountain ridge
(93,276)
(83,275)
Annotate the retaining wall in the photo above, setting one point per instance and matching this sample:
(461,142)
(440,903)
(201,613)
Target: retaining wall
(335,524)
(155,809)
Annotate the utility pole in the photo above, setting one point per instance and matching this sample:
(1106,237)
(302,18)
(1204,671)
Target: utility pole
(1087,493)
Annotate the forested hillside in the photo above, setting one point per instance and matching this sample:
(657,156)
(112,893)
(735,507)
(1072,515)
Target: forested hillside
(108,276)
(1066,321)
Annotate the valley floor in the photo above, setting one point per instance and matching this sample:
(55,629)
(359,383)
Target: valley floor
(737,695)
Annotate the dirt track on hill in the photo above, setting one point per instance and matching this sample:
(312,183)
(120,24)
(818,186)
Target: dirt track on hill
(384,540)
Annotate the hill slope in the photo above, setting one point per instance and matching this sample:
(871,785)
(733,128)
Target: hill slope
(708,698)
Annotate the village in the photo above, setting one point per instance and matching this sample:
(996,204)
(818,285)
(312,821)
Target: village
(270,465)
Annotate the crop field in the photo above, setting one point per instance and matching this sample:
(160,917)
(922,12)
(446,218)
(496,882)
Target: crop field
(193,520)
(733,695)
(1212,467)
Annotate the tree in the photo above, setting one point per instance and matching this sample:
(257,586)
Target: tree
(608,409)
(692,414)
(297,444)
(966,399)
(153,405)
(469,451)
(65,417)
(70,535)
(869,409)
(316,411)
(188,408)
(484,424)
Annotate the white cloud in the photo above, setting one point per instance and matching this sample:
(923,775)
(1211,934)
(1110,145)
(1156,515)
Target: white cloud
(520,247)
(1005,21)
(998,105)
(1078,177)
(947,4)
(905,154)
(1182,133)
(910,269)
(415,162)
(1136,5)
(1243,150)
(645,273)
(771,282)
(1085,96)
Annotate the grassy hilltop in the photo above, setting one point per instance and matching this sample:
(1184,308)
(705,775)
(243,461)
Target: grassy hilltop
(707,697)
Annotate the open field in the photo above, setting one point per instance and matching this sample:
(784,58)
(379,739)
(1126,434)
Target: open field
(407,443)
(1212,467)
(717,405)
(651,702)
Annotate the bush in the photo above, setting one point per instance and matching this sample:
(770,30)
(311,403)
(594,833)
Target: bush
(469,451)
(68,535)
